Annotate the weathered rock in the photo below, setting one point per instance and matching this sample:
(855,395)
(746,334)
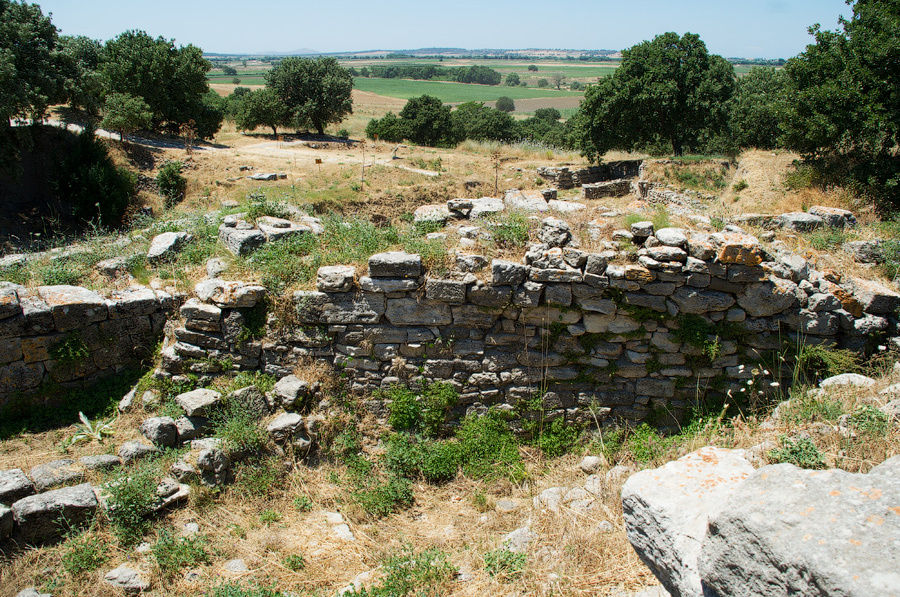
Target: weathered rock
(229,294)
(507,273)
(591,464)
(291,391)
(451,292)
(525,200)
(7,522)
(198,403)
(847,380)
(165,246)
(135,450)
(518,540)
(100,462)
(236,566)
(215,267)
(485,206)
(642,230)
(764,299)
(49,515)
(32,592)
(800,221)
(470,263)
(112,267)
(865,251)
(395,264)
(284,427)
(555,232)
(411,312)
(162,431)
(241,241)
(335,278)
(874,297)
(833,216)
(14,485)
(672,237)
(57,472)
(280,229)
(127,579)
(697,301)
(437,214)
(72,307)
(789,531)
(666,510)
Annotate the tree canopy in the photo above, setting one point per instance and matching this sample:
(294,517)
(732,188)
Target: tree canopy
(427,121)
(172,80)
(125,114)
(667,89)
(317,91)
(842,105)
(32,76)
(756,108)
(262,107)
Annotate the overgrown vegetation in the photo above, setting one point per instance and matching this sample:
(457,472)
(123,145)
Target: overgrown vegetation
(173,554)
(131,502)
(426,573)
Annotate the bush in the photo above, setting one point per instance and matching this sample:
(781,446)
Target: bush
(173,554)
(868,420)
(503,562)
(800,452)
(505,104)
(379,497)
(487,448)
(172,185)
(543,83)
(558,438)
(237,424)
(131,503)
(423,574)
(425,412)
(83,553)
(510,232)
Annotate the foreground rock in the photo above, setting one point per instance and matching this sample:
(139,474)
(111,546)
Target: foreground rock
(666,512)
(127,579)
(789,531)
(164,246)
(39,517)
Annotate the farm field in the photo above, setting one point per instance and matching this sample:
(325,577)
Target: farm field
(453,92)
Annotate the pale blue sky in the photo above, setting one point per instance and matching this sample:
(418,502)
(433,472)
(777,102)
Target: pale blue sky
(750,28)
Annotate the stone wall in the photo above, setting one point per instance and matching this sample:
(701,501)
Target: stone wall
(565,178)
(69,336)
(594,334)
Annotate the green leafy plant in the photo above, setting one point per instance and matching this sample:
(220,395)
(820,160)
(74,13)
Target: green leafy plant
(70,351)
(294,562)
(83,553)
(511,231)
(270,516)
(131,501)
(302,503)
(173,554)
(88,430)
(422,412)
(504,563)
(800,451)
(407,573)
(868,420)
(740,185)
(171,184)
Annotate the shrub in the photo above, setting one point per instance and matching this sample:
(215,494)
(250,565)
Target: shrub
(83,553)
(379,497)
(258,476)
(815,361)
(503,562)
(302,503)
(238,426)
(868,420)
(269,516)
(261,206)
(510,232)
(172,185)
(427,574)
(173,554)
(558,438)
(505,104)
(131,503)
(424,412)
(740,186)
(543,83)
(488,449)
(645,443)
(294,562)
(800,452)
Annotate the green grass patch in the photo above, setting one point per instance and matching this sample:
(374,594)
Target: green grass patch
(408,572)
(83,553)
(452,92)
(504,563)
(173,554)
(800,452)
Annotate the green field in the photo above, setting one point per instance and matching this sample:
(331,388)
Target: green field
(452,92)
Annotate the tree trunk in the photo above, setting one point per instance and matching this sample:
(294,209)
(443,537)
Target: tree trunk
(677,148)
(320,129)
(275,131)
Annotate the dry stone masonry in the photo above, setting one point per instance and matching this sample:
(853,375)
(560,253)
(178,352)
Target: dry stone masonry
(618,333)
(70,336)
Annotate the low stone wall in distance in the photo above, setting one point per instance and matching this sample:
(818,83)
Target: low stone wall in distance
(594,335)
(66,336)
(565,178)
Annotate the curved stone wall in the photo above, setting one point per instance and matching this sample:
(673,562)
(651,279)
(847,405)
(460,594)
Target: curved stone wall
(688,313)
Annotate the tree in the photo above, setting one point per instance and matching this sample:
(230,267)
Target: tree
(229,70)
(842,108)
(262,108)
(84,85)
(557,79)
(668,89)
(388,128)
(532,68)
(542,83)
(125,114)
(172,80)
(505,104)
(427,121)
(31,69)
(549,114)
(474,120)
(512,79)
(755,111)
(317,91)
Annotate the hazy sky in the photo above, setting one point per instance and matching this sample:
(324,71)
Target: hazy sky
(750,28)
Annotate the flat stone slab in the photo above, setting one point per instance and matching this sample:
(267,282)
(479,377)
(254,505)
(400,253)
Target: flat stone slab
(525,200)
(14,485)
(438,214)
(166,245)
(800,221)
(198,403)
(128,579)
(666,510)
(241,241)
(395,264)
(229,294)
(485,206)
(40,517)
(790,531)
(280,228)
(72,306)
(57,472)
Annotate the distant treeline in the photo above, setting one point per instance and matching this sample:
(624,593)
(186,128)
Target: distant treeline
(427,72)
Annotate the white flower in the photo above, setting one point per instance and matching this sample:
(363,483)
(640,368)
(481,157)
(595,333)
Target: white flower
(749,382)
(774,384)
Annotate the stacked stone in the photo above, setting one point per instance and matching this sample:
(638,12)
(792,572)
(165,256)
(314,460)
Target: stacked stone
(215,331)
(567,179)
(104,335)
(611,188)
(560,177)
(242,238)
(602,335)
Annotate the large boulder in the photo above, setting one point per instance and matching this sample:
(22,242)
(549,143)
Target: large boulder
(395,264)
(229,294)
(790,531)
(166,245)
(48,515)
(800,221)
(666,511)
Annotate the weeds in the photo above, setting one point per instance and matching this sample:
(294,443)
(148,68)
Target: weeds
(173,554)
(423,413)
(131,503)
(294,562)
(504,563)
(870,421)
(268,516)
(83,553)
(427,574)
(800,452)
(511,231)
